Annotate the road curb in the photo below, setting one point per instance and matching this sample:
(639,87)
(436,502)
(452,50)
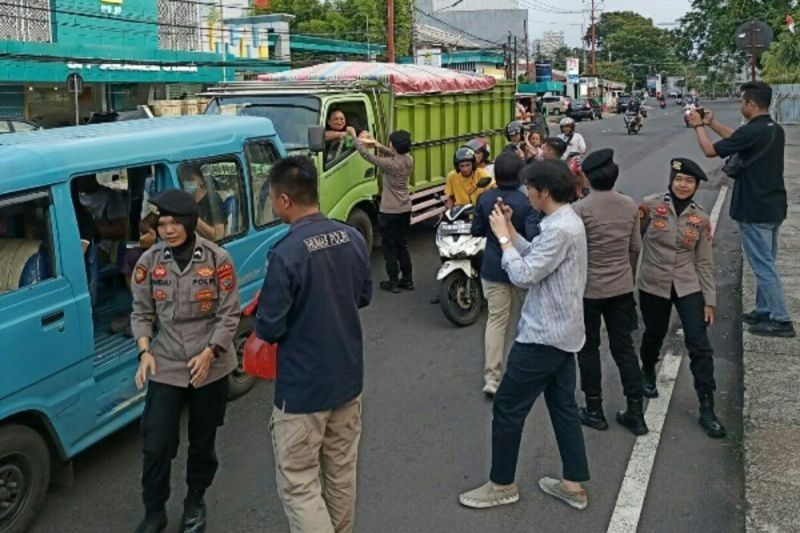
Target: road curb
(771,409)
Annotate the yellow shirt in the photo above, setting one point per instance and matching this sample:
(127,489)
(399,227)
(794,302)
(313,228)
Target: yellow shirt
(465,190)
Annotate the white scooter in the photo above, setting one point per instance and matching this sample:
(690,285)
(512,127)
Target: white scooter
(460,291)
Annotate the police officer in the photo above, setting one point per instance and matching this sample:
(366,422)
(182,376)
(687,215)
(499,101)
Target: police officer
(188,285)
(613,241)
(677,269)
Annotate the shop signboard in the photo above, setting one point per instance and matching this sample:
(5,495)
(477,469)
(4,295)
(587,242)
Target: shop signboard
(573,70)
(431,57)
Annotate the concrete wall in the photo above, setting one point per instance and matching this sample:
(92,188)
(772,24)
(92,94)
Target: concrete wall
(490,24)
(786,103)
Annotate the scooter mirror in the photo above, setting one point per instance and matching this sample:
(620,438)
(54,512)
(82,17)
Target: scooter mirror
(484,182)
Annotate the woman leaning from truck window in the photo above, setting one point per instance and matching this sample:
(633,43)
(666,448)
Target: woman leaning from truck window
(336,132)
(187,284)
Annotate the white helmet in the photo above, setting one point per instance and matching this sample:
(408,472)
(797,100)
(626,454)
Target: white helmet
(566,122)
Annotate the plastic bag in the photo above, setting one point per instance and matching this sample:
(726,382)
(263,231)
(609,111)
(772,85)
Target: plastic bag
(260,358)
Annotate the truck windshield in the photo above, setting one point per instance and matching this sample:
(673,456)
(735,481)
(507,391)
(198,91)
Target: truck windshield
(290,115)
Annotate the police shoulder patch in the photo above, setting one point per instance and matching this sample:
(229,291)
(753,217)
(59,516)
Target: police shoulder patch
(139,274)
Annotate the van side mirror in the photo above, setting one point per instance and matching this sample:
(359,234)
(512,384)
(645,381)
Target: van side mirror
(316,138)
(484,182)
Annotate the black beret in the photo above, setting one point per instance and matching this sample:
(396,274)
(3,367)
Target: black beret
(597,159)
(175,202)
(687,166)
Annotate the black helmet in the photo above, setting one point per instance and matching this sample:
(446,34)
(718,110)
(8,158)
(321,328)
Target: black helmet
(465,154)
(479,145)
(514,127)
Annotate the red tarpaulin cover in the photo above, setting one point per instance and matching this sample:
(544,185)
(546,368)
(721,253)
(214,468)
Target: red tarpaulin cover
(404,79)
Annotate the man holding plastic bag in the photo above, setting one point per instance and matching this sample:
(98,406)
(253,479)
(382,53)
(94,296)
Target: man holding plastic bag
(318,277)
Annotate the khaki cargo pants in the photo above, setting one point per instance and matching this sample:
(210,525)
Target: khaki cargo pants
(315,464)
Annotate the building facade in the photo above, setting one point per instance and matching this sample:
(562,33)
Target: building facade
(127,52)
(488,24)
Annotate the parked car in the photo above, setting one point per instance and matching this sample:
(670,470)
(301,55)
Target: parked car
(17,125)
(581,110)
(622,103)
(556,105)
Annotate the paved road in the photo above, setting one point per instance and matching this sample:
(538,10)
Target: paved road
(426,423)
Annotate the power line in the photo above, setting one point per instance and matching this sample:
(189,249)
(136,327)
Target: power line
(456,28)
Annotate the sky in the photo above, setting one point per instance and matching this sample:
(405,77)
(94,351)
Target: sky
(661,11)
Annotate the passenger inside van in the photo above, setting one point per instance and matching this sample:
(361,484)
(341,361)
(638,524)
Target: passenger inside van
(211,223)
(108,209)
(24,257)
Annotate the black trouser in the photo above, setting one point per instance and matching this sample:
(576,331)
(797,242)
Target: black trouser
(161,436)
(531,370)
(655,314)
(619,315)
(394,237)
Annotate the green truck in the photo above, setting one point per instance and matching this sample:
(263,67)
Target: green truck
(349,185)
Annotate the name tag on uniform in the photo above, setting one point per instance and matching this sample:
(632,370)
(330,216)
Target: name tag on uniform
(326,240)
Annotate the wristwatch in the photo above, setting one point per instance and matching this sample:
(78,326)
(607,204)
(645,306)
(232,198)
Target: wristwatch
(503,240)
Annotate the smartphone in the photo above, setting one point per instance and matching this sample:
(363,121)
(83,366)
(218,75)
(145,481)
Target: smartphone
(701,112)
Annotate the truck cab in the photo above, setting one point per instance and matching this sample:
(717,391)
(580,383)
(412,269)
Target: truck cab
(72,202)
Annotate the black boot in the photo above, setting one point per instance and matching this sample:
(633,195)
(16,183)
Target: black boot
(194,513)
(592,415)
(708,419)
(390,285)
(633,417)
(406,283)
(649,389)
(153,522)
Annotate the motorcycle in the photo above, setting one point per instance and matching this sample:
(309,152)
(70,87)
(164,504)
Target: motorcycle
(687,110)
(662,104)
(633,123)
(460,291)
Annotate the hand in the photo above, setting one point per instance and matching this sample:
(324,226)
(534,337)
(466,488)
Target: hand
(506,209)
(199,365)
(351,131)
(498,222)
(695,119)
(708,314)
(708,118)
(147,365)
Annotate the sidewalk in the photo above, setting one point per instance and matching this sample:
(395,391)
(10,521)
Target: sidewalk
(771,413)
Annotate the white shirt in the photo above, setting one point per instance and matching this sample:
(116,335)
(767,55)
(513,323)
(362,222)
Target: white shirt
(576,144)
(553,269)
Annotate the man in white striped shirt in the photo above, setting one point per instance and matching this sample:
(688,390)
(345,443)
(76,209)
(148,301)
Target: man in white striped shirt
(551,330)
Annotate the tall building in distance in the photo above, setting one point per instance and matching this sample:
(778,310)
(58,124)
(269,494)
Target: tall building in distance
(549,43)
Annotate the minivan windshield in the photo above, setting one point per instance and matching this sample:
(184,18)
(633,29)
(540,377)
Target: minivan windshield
(291,115)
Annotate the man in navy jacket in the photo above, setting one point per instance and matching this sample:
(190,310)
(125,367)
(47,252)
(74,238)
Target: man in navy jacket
(318,277)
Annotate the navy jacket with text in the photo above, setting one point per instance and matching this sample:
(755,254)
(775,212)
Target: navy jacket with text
(318,277)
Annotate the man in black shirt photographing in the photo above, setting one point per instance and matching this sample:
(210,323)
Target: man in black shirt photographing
(758,204)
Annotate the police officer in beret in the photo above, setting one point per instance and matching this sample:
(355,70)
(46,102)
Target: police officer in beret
(677,269)
(613,241)
(187,285)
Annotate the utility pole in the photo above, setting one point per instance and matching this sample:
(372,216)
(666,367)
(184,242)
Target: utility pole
(527,53)
(516,59)
(222,42)
(390,30)
(594,64)
(412,5)
(753,49)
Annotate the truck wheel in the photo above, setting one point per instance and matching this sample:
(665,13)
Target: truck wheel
(239,381)
(460,298)
(24,476)
(360,220)
(556,112)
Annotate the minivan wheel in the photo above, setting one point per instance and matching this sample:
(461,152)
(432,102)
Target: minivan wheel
(24,476)
(360,220)
(239,381)
(556,112)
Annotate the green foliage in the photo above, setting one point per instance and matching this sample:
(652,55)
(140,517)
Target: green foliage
(613,71)
(782,61)
(347,19)
(560,57)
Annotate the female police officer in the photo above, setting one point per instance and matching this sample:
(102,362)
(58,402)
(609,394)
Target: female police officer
(188,285)
(677,269)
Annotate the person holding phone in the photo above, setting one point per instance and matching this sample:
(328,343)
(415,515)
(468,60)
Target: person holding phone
(677,269)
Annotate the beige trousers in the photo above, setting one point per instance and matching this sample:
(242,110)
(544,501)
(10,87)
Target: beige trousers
(505,302)
(315,463)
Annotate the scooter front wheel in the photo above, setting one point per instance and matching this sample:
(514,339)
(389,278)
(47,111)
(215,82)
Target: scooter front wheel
(461,298)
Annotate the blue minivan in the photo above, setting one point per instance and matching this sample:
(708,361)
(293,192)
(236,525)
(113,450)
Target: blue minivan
(66,373)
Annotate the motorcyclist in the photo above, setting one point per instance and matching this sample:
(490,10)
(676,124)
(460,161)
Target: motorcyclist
(461,187)
(634,110)
(575,142)
(483,153)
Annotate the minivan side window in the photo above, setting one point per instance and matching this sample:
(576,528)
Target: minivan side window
(339,117)
(26,241)
(217,186)
(261,155)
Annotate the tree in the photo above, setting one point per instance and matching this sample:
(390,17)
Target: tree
(347,19)
(613,71)
(560,56)
(782,61)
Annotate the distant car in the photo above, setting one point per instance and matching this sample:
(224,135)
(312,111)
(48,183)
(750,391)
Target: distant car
(98,117)
(555,105)
(17,125)
(622,103)
(581,110)
(673,94)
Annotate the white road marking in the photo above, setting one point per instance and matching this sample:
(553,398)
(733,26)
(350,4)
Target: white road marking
(630,501)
